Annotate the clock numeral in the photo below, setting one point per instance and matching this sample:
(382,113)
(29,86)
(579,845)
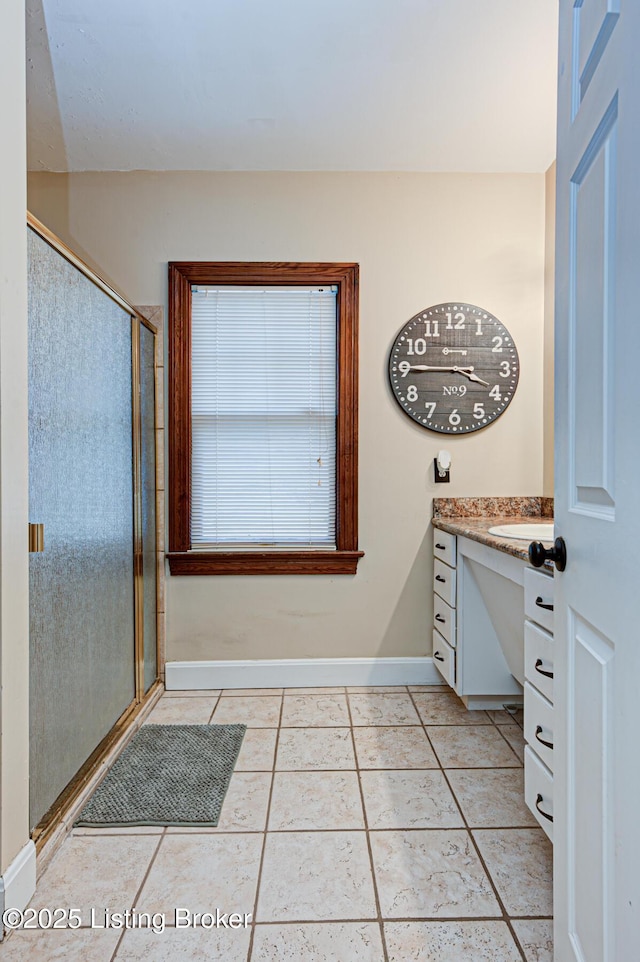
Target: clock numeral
(430,407)
(419,346)
(412,393)
(478,411)
(454,417)
(459,318)
(404,367)
(498,344)
(506,369)
(495,393)
(479,328)
(431,328)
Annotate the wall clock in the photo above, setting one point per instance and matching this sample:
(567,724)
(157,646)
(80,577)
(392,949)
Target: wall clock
(454,368)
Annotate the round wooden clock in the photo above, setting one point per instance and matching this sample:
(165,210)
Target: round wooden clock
(453,368)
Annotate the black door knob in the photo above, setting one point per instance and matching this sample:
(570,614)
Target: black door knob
(538,554)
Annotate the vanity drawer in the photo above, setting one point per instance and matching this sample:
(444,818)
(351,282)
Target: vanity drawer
(444,582)
(538,790)
(444,547)
(538,724)
(444,619)
(444,658)
(538,658)
(538,591)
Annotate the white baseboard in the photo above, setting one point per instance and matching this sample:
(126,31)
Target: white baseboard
(300,673)
(18,883)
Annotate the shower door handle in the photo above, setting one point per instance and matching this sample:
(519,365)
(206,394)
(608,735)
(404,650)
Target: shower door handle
(36,538)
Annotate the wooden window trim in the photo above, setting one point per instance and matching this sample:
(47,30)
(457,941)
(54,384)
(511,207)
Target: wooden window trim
(183,560)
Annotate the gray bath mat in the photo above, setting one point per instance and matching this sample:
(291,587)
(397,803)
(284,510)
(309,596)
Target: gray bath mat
(167,775)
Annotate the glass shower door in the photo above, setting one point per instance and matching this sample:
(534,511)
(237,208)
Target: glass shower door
(81,487)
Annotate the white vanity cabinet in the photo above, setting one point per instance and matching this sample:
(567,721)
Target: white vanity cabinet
(486,585)
(444,600)
(538,696)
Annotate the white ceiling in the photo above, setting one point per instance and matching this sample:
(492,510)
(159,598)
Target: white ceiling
(414,85)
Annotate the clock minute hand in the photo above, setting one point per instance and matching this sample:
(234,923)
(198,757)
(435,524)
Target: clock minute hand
(430,367)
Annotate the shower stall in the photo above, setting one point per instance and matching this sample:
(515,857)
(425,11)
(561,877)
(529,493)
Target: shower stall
(92,511)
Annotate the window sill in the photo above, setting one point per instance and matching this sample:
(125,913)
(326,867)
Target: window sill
(264,562)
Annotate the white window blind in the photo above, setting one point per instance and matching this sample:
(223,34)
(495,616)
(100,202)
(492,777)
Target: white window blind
(263,408)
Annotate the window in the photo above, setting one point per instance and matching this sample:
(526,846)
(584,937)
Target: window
(263,418)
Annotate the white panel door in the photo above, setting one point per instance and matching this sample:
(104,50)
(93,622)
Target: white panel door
(597,496)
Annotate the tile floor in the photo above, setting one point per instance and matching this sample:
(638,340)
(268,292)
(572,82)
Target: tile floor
(361,825)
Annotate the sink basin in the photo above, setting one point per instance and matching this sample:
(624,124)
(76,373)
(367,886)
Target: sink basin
(541,531)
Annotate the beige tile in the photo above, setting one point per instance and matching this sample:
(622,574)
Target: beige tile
(260,711)
(305,749)
(409,799)
(160,523)
(199,693)
(375,709)
(160,401)
(203,872)
(160,464)
(161,584)
(450,942)
(315,691)
(306,801)
(60,945)
(307,711)
(120,830)
(520,863)
(513,734)
(258,750)
(185,945)
(244,808)
(430,874)
(469,746)
(506,717)
(316,876)
(429,688)
(398,747)
(536,938)
(321,942)
(447,709)
(244,692)
(181,711)
(96,871)
(491,799)
(161,641)
(377,689)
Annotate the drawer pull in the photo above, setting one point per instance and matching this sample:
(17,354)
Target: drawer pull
(441,547)
(539,730)
(440,578)
(442,620)
(547,674)
(438,656)
(544,814)
(540,603)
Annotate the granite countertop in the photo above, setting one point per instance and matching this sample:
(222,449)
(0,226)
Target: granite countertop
(472,518)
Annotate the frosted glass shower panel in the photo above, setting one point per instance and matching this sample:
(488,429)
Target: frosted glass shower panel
(81,488)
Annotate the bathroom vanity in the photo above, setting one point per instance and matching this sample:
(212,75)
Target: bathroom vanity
(493,623)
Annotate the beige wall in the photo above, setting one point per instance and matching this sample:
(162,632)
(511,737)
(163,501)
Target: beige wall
(419,239)
(549,313)
(14,572)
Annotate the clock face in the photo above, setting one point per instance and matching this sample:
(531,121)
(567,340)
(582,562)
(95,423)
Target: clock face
(454,368)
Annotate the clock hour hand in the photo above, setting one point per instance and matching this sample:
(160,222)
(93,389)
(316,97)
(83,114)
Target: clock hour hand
(468,372)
